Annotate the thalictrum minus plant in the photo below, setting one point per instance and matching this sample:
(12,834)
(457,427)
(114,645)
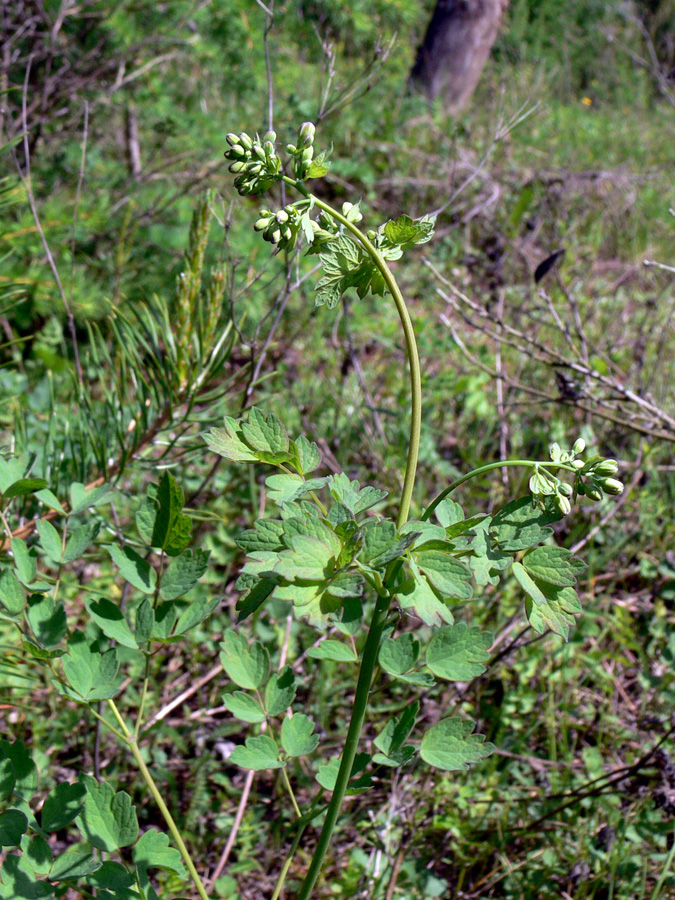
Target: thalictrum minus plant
(330,552)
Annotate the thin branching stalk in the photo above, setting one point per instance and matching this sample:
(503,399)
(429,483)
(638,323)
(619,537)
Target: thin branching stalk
(132,744)
(385,598)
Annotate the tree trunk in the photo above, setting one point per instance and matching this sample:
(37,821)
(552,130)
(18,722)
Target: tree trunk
(455,48)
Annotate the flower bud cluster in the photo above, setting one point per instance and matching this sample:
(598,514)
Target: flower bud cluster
(280,228)
(254,161)
(592,478)
(303,151)
(543,485)
(596,477)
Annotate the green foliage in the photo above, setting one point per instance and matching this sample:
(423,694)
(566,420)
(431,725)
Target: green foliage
(323,554)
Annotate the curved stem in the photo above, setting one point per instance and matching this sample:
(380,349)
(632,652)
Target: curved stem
(410,346)
(132,743)
(385,597)
(527,463)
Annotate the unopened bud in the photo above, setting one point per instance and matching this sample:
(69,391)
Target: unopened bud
(607,467)
(238,166)
(565,489)
(291,148)
(245,140)
(563,504)
(578,463)
(261,224)
(579,446)
(593,493)
(306,134)
(307,154)
(281,217)
(270,137)
(232,139)
(611,486)
(259,152)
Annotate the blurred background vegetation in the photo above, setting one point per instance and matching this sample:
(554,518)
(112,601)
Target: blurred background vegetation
(114,119)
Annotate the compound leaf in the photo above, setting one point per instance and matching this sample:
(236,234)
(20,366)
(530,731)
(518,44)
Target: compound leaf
(244,706)
(23,487)
(79,538)
(18,881)
(73,864)
(183,573)
(7,778)
(13,824)
(450,745)
(82,498)
(417,597)
(258,753)
(25,770)
(335,650)
(521,524)
(459,653)
(50,540)
(153,852)
(133,568)
(47,620)
(110,619)
(246,664)
(108,819)
(280,692)
(448,575)
(553,565)
(297,735)
(63,804)
(12,596)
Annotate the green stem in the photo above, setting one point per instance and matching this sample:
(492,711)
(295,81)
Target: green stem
(296,808)
(384,599)
(144,694)
(301,825)
(489,468)
(368,662)
(111,728)
(131,742)
(410,346)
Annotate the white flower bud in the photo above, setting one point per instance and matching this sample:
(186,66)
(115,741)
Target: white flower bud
(579,446)
(563,504)
(306,134)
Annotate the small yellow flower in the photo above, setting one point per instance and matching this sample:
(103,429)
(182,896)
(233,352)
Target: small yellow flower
(587,101)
